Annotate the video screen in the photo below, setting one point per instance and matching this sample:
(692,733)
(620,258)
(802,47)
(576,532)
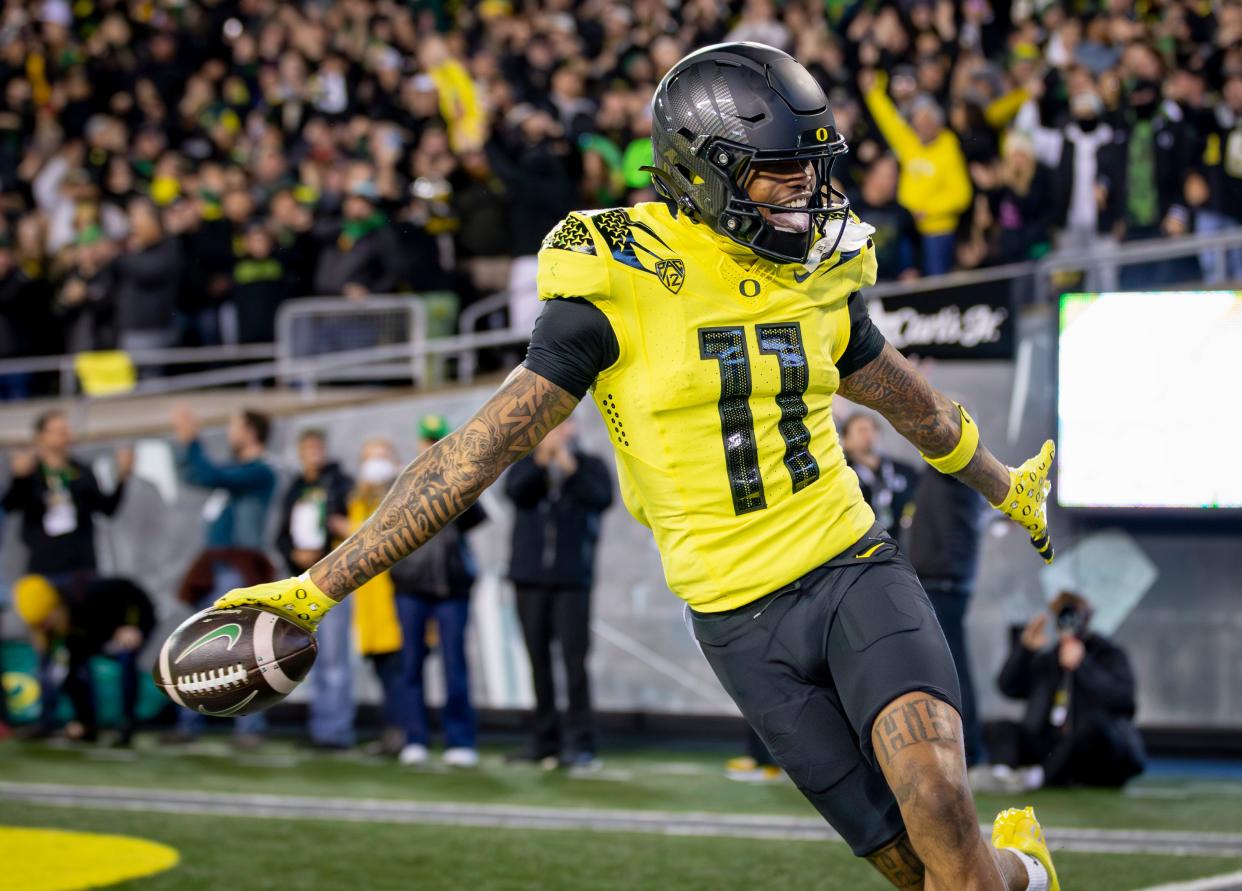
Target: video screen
(1149,403)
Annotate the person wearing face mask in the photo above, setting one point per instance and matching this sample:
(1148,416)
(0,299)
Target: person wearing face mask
(1155,160)
(377,624)
(1088,161)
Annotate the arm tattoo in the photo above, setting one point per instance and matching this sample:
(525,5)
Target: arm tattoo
(911,722)
(922,414)
(900,864)
(443,481)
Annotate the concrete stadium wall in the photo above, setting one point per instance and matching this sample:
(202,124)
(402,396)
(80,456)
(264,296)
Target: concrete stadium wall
(1169,591)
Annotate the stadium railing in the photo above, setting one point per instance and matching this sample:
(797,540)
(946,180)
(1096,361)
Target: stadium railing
(384,338)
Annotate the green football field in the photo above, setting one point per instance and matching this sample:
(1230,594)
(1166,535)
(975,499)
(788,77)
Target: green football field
(233,851)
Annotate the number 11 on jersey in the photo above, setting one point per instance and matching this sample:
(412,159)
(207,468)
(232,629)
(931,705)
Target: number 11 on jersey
(737,426)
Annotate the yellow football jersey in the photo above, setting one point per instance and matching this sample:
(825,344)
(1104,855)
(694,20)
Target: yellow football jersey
(719,405)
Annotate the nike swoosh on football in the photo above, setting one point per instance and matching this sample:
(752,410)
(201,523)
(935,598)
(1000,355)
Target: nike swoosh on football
(232,709)
(232,631)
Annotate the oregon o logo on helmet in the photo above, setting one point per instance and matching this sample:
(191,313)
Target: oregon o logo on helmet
(822,134)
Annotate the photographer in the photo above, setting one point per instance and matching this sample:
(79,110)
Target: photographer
(1079,690)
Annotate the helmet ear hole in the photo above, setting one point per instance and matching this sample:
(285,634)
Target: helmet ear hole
(687,174)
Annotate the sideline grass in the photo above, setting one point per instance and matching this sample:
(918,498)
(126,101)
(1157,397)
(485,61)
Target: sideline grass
(647,780)
(271,855)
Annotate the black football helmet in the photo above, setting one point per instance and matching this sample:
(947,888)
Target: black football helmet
(727,107)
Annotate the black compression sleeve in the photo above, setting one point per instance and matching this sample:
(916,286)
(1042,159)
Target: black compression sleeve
(866,341)
(571,344)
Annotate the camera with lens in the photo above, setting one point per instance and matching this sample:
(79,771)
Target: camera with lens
(1072,619)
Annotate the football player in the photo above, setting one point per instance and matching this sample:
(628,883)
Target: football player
(712,330)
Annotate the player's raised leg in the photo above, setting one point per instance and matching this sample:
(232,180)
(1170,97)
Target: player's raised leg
(918,744)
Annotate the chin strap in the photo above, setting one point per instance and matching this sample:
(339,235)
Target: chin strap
(666,188)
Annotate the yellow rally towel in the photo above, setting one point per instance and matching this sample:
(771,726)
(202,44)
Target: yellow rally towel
(377,628)
(105,371)
(459,104)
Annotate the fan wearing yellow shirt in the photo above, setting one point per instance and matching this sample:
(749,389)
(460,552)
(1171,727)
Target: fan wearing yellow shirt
(712,330)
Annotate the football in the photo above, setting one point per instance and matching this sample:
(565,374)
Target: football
(228,662)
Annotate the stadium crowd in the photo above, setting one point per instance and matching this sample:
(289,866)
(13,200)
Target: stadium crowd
(171,172)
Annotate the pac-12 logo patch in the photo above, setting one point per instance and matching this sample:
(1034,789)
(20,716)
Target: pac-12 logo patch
(672,273)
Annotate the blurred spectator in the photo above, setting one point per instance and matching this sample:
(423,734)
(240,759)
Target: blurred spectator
(756,766)
(887,485)
(146,282)
(58,497)
(242,488)
(1214,187)
(1080,699)
(90,617)
(1089,161)
(896,237)
(433,599)
(1156,161)
(934,184)
(362,258)
(943,546)
(559,493)
(23,310)
(377,622)
(314,519)
(235,515)
(260,285)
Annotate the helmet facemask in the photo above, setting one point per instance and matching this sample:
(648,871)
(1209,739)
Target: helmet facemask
(786,234)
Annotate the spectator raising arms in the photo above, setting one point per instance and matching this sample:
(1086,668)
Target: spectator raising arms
(934,184)
(58,497)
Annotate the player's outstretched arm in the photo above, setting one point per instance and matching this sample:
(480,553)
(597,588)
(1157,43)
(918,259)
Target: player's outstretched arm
(433,489)
(949,440)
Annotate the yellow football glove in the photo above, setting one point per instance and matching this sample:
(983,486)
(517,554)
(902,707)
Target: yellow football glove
(299,600)
(1028,487)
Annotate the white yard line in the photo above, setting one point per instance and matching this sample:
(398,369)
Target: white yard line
(285,807)
(1230,882)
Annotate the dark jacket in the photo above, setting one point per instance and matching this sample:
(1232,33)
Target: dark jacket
(1110,167)
(332,487)
(943,542)
(1023,222)
(146,287)
(1171,154)
(889,490)
(1216,158)
(372,261)
(1101,706)
(72,551)
(556,524)
(443,568)
(98,607)
(896,238)
(260,285)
